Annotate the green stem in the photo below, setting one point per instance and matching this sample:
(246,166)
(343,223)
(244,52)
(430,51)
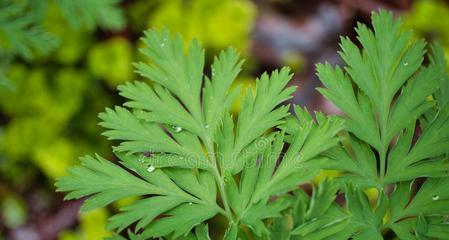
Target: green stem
(218,179)
(221,189)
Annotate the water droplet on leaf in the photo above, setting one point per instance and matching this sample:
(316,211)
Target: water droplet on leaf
(435,197)
(405,64)
(151,168)
(190,203)
(207,126)
(177,129)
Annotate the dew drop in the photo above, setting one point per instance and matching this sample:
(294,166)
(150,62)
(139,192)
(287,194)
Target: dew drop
(162,44)
(177,129)
(405,64)
(151,168)
(190,203)
(207,126)
(435,197)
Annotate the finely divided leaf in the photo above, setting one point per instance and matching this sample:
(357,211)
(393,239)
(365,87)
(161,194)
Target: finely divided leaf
(398,131)
(177,141)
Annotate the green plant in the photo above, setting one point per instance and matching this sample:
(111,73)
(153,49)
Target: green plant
(189,159)
(23,34)
(109,60)
(396,140)
(420,19)
(207,20)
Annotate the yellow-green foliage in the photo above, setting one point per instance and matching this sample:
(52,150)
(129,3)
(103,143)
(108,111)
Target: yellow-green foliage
(430,19)
(73,43)
(92,227)
(216,23)
(110,60)
(41,109)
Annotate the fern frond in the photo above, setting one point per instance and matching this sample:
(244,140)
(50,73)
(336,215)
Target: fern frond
(187,151)
(386,92)
(21,33)
(90,14)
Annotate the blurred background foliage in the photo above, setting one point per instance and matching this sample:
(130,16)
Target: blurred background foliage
(61,61)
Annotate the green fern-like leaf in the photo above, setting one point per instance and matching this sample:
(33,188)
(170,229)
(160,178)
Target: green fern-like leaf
(90,14)
(21,32)
(386,92)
